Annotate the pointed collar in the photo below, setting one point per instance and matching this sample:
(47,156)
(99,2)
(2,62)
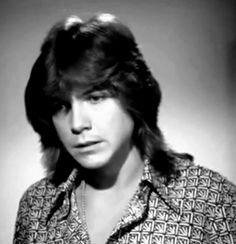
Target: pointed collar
(62,197)
(150,177)
(161,186)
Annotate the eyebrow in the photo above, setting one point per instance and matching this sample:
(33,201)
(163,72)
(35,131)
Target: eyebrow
(91,91)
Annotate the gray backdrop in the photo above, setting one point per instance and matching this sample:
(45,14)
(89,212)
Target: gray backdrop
(190,46)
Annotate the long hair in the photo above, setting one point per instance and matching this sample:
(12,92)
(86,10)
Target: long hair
(104,55)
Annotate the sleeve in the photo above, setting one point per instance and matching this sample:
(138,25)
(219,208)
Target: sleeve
(223,225)
(22,221)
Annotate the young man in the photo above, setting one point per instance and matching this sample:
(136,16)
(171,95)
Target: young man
(111,178)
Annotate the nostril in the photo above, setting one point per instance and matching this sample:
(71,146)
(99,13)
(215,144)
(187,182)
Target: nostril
(76,131)
(80,129)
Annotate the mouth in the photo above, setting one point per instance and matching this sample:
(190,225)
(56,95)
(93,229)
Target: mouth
(87,144)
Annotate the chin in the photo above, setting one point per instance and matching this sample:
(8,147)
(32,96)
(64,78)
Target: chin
(92,163)
(93,166)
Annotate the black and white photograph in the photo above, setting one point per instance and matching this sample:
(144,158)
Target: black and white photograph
(118,121)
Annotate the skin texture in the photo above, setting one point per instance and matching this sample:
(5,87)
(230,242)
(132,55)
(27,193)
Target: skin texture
(97,132)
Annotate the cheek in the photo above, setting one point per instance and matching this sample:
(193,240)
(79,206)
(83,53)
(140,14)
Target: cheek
(119,124)
(61,129)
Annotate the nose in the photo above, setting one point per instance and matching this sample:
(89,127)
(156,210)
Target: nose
(80,119)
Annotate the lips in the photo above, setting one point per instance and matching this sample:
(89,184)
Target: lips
(86,144)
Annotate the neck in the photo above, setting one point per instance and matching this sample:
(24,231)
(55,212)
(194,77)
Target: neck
(117,175)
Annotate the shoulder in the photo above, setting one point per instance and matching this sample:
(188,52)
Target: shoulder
(34,206)
(36,202)
(204,183)
(208,197)
(38,191)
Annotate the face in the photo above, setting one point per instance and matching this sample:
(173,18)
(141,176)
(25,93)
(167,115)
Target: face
(94,128)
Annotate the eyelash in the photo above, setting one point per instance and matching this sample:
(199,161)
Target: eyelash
(93,98)
(96,98)
(60,107)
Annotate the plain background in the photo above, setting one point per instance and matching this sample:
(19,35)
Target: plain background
(190,45)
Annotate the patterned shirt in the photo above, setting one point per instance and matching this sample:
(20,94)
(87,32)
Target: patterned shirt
(199,206)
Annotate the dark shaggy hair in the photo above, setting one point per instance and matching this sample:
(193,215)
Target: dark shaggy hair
(104,54)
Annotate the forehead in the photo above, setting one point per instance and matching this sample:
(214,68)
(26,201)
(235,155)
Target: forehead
(69,89)
(74,87)
(81,77)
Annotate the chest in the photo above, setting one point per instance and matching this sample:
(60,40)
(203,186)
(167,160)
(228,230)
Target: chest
(101,223)
(155,224)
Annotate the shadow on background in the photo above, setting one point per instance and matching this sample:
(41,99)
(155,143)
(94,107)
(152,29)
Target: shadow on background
(231,58)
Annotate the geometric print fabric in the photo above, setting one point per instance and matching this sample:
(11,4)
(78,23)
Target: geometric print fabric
(198,206)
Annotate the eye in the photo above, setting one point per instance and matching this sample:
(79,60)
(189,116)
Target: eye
(60,107)
(97,97)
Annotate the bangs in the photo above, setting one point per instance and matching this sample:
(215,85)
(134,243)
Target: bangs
(87,76)
(92,55)
(91,70)
(71,81)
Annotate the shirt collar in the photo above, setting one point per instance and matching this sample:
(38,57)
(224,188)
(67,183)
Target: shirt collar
(160,185)
(150,177)
(61,205)
(69,183)
(150,182)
